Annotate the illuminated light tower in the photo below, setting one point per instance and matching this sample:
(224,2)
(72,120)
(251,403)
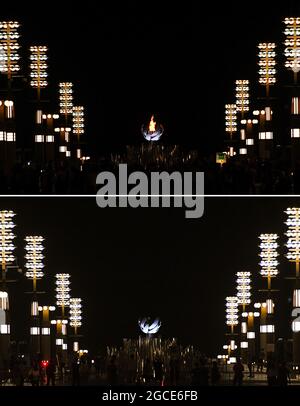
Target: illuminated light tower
(153,131)
(7,257)
(267,63)
(269,269)
(243,288)
(292,44)
(62,291)
(242,107)
(232,320)
(9,59)
(34,265)
(78,127)
(293,255)
(269,263)
(242,96)
(66,98)
(75,319)
(9,65)
(62,301)
(38,81)
(267,78)
(244,299)
(230,124)
(46,331)
(38,67)
(66,109)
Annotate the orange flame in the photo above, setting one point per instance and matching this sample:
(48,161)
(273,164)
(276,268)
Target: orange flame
(152,125)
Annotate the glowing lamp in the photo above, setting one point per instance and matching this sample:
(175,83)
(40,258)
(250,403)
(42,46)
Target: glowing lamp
(242,95)
(232,311)
(153,131)
(62,289)
(38,66)
(6,237)
(149,326)
(75,313)
(34,257)
(243,288)
(292,43)
(267,63)
(9,46)
(268,245)
(66,97)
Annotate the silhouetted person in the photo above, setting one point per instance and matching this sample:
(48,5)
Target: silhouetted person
(238,371)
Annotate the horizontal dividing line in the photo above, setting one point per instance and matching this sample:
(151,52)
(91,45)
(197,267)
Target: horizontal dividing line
(138,195)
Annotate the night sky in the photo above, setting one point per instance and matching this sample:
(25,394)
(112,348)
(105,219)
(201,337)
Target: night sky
(135,58)
(127,263)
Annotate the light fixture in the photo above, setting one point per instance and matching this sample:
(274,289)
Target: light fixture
(243,288)
(242,95)
(267,63)
(38,67)
(34,258)
(62,290)
(232,304)
(292,43)
(9,55)
(230,118)
(268,254)
(66,98)
(75,313)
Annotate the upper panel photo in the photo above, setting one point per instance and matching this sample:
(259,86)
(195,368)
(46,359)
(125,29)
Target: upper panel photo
(156,89)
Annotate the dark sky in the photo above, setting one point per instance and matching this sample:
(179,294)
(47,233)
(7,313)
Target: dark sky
(135,58)
(127,263)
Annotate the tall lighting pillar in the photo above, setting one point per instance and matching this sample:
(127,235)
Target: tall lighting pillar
(78,129)
(38,81)
(9,65)
(34,265)
(232,321)
(269,270)
(75,320)
(242,107)
(292,44)
(6,251)
(62,301)
(244,299)
(293,255)
(66,110)
(267,78)
(231,125)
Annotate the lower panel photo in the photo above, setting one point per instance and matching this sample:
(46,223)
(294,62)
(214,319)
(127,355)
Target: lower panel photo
(123,296)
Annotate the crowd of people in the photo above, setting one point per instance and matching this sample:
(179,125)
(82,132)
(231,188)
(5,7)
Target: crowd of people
(113,370)
(234,177)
